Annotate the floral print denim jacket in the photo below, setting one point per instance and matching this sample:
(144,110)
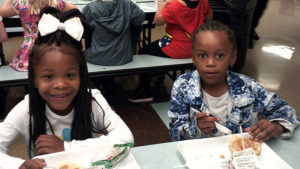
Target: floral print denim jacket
(248,100)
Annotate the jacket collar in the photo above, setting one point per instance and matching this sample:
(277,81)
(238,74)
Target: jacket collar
(239,91)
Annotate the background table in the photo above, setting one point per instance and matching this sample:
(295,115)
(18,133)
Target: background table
(14,27)
(149,8)
(166,155)
(140,64)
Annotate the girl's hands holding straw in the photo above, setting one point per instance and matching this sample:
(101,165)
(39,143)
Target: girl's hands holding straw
(33,164)
(264,130)
(46,144)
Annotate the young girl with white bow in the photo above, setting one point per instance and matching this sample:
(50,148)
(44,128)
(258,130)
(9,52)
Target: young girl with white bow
(61,112)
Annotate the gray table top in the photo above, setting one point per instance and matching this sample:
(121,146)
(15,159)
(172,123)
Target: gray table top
(140,63)
(147,7)
(166,155)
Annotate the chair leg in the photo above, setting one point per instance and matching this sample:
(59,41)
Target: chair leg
(3,95)
(2,57)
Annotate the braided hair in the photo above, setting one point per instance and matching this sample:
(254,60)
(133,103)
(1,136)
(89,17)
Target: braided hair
(83,123)
(215,26)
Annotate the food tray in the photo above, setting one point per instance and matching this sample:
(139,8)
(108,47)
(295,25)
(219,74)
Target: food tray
(84,157)
(213,152)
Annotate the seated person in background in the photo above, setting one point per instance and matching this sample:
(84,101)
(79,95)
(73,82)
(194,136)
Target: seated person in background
(3,37)
(115,23)
(61,112)
(232,99)
(110,43)
(3,34)
(28,11)
(181,17)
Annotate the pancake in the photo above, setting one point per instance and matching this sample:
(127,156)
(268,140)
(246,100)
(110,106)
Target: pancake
(235,144)
(69,165)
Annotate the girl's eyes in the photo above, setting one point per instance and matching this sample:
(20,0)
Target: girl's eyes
(70,75)
(220,55)
(48,77)
(202,55)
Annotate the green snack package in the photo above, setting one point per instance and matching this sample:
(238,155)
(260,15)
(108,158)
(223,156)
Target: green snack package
(118,153)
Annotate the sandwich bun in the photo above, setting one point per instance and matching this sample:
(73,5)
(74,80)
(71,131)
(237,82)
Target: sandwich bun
(235,144)
(69,165)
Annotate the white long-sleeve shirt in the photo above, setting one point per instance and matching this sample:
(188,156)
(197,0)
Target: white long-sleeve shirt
(17,123)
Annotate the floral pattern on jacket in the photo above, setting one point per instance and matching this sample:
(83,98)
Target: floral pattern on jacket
(248,97)
(30,28)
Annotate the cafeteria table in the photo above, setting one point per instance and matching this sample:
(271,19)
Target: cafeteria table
(140,64)
(166,155)
(14,27)
(149,7)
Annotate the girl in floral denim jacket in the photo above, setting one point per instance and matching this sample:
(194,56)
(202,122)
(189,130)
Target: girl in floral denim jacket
(222,96)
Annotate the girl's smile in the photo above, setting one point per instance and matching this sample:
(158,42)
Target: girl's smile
(60,97)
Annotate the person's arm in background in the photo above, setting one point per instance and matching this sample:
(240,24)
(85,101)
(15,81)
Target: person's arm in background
(137,14)
(68,7)
(5,9)
(209,17)
(158,18)
(3,34)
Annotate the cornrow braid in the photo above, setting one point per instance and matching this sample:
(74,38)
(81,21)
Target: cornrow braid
(215,26)
(83,124)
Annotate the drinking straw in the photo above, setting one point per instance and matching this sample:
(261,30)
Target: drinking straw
(241,130)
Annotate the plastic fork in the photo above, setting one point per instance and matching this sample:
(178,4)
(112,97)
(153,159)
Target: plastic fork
(220,127)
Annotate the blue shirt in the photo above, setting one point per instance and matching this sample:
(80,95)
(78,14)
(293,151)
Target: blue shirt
(248,97)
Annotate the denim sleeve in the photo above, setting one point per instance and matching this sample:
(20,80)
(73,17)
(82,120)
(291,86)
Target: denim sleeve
(276,109)
(183,124)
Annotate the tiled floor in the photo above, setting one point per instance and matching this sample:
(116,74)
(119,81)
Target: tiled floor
(274,62)
(275,59)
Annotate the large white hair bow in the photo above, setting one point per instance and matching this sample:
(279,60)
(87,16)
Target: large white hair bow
(49,24)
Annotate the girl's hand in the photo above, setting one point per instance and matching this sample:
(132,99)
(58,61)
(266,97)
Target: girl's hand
(46,144)
(264,130)
(33,164)
(206,123)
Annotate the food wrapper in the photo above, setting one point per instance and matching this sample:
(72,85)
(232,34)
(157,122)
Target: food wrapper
(118,153)
(246,159)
